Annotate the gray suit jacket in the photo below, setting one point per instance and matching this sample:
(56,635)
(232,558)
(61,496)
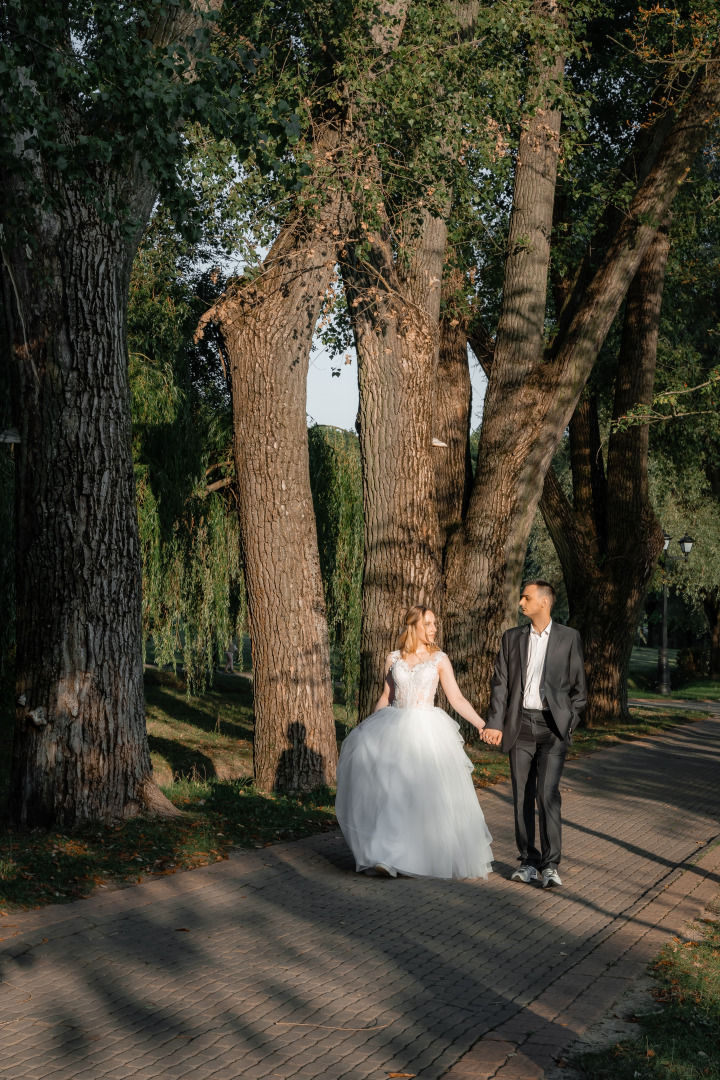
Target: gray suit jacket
(563,681)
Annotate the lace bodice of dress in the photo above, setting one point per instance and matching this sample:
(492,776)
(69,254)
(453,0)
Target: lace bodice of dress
(415,687)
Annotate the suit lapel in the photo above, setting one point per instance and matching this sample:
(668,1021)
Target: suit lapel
(552,647)
(523,648)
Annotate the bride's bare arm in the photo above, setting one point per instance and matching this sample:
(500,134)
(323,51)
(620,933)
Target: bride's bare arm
(452,692)
(388,693)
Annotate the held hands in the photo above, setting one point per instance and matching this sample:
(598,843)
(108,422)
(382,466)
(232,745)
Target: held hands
(491,736)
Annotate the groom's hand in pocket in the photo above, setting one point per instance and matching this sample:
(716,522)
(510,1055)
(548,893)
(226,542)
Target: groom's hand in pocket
(492,736)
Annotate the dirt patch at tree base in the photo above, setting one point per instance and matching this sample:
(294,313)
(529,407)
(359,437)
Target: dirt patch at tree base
(619,1023)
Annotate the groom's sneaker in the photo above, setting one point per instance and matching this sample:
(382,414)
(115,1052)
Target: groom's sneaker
(525,874)
(550,877)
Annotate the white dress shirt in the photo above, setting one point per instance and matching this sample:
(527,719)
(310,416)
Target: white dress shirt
(534,696)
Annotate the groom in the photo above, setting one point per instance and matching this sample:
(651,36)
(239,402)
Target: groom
(537,698)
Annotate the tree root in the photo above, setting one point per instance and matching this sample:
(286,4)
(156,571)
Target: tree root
(152,801)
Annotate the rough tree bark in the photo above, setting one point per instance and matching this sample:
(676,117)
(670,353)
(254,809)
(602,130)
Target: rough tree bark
(395,318)
(395,310)
(80,749)
(484,558)
(609,540)
(451,414)
(267,329)
(529,403)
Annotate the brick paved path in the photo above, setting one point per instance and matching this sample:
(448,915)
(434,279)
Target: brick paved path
(284,963)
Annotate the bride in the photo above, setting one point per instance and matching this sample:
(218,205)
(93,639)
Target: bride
(405,798)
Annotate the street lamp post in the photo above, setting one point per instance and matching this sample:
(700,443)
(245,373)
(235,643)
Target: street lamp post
(686,542)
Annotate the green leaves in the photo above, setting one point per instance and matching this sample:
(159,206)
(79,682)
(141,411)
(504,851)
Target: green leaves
(91,93)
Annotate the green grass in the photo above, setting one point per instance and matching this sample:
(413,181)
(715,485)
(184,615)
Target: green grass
(697,690)
(38,868)
(644,661)
(643,679)
(682,1040)
(205,737)
(202,757)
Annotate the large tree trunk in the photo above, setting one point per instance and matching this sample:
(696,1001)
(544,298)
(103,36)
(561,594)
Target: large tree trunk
(485,558)
(610,540)
(80,751)
(396,328)
(528,407)
(396,319)
(395,310)
(267,328)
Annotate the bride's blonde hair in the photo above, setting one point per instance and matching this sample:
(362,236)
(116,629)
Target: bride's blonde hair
(408,640)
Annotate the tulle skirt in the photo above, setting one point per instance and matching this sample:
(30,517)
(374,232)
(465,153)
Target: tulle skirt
(405,796)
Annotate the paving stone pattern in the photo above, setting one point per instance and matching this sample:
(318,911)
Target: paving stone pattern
(285,963)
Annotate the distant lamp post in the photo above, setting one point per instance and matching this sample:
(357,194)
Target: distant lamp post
(686,542)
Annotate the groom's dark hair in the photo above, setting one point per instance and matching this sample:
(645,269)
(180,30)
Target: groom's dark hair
(544,588)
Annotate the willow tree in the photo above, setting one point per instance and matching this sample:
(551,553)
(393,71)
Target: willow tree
(93,98)
(193,593)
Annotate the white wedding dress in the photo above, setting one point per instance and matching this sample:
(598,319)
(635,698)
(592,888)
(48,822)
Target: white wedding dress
(405,796)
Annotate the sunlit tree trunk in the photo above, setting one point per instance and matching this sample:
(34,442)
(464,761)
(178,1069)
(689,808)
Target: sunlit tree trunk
(484,558)
(396,331)
(531,398)
(267,327)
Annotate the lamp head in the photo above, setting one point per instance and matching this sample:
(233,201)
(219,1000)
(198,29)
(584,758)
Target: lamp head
(686,542)
(666,541)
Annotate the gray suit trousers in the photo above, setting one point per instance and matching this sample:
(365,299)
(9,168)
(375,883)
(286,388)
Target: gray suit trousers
(536,764)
